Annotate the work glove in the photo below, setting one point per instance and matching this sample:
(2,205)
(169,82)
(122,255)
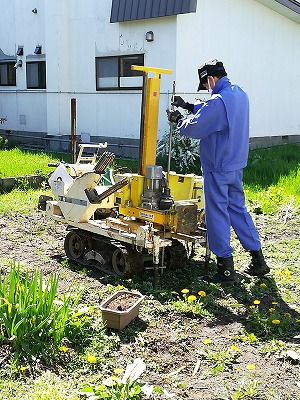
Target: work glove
(178,102)
(174,116)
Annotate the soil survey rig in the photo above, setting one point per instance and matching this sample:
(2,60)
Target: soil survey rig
(149,219)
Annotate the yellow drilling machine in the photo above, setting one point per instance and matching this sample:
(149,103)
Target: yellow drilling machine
(150,219)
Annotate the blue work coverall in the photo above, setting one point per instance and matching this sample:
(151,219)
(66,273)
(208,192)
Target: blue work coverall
(222,125)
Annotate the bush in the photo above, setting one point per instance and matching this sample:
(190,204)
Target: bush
(184,154)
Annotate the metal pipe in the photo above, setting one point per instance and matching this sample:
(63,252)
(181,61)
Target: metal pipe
(73,130)
(171,131)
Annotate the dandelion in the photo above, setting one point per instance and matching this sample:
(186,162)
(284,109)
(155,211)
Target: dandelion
(288,273)
(192,298)
(287,314)
(274,303)
(252,306)
(23,368)
(202,293)
(276,321)
(207,341)
(91,359)
(234,348)
(64,349)
(185,291)
(271,309)
(298,321)
(256,302)
(263,285)
(250,367)
(118,371)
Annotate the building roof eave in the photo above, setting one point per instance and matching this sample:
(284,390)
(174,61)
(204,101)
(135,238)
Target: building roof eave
(288,8)
(132,10)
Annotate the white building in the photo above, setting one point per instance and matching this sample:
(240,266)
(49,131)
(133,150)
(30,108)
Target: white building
(75,49)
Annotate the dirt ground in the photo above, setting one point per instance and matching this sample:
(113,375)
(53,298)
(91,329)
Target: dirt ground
(174,343)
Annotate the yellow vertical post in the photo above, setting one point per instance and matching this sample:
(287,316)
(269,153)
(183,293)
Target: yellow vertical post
(150,114)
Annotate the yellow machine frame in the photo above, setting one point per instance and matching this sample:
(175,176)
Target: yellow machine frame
(150,117)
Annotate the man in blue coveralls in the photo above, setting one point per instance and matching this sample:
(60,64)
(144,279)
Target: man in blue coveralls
(222,125)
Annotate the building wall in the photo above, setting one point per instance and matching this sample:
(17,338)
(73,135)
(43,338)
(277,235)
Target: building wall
(261,51)
(259,47)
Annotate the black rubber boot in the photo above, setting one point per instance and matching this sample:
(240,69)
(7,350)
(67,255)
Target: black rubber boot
(226,273)
(258,265)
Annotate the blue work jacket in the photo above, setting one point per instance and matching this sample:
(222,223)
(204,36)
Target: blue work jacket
(222,125)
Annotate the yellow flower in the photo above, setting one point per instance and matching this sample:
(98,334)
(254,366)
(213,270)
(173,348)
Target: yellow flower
(207,341)
(23,368)
(256,302)
(298,320)
(202,293)
(252,306)
(118,371)
(250,367)
(63,348)
(272,309)
(91,359)
(234,348)
(262,285)
(288,273)
(185,291)
(287,314)
(276,321)
(274,303)
(192,298)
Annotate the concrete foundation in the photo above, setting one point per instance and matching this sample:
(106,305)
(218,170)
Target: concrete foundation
(121,147)
(269,141)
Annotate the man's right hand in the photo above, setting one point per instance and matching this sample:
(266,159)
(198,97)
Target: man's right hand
(178,102)
(174,116)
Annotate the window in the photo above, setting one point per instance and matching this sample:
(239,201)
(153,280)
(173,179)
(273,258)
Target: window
(116,73)
(36,75)
(7,74)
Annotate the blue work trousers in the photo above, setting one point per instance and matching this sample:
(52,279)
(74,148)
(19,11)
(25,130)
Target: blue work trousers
(225,207)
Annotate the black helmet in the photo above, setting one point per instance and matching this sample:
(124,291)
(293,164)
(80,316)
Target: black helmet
(210,68)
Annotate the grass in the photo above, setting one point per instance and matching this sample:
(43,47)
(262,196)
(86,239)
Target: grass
(272,178)
(174,319)
(16,162)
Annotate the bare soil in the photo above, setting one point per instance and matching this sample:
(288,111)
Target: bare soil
(122,302)
(173,346)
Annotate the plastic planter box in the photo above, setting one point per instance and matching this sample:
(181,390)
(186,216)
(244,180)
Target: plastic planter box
(120,316)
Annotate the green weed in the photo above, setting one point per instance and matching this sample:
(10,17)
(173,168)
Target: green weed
(247,389)
(30,315)
(220,360)
(125,388)
(194,304)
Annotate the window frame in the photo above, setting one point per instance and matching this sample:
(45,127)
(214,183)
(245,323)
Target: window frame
(10,73)
(42,82)
(120,64)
